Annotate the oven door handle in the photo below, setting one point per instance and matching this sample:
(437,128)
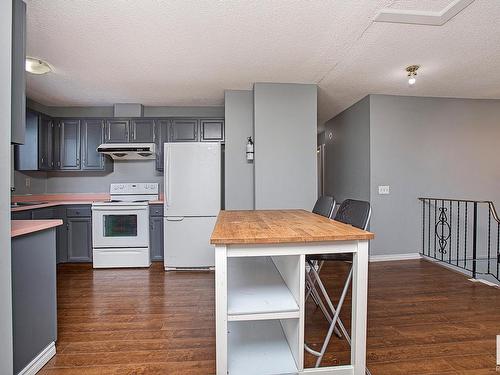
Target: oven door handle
(118,208)
(175,218)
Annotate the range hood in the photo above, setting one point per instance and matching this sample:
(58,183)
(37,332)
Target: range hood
(128,151)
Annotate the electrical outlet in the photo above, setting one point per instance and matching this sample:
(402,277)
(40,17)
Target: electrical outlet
(385,189)
(27,182)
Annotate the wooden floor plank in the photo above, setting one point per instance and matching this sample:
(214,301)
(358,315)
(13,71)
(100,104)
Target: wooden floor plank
(422,319)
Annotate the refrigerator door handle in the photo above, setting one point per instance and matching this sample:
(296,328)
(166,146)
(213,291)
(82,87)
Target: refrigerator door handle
(168,197)
(175,218)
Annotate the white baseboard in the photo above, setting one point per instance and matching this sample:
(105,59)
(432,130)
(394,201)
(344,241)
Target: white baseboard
(40,360)
(485,282)
(391,257)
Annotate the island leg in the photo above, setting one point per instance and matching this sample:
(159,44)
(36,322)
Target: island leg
(221,309)
(359,308)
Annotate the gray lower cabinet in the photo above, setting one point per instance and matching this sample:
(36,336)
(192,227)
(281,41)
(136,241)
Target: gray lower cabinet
(211,130)
(117,131)
(70,144)
(92,137)
(18,73)
(21,215)
(79,239)
(43,213)
(34,306)
(183,130)
(143,131)
(156,232)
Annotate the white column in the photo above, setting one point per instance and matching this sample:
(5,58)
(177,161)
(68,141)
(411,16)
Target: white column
(221,309)
(359,308)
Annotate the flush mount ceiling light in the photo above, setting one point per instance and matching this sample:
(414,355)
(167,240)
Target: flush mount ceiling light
(412,74)
(37,66)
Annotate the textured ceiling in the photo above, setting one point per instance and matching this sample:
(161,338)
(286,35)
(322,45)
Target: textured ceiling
(186,52)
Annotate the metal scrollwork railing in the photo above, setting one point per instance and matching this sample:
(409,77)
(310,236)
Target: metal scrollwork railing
(463,233)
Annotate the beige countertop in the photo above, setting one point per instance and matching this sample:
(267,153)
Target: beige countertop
(281,226)
(51,200)
(20,227)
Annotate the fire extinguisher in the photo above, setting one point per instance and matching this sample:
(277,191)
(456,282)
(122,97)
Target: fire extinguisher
(249,149)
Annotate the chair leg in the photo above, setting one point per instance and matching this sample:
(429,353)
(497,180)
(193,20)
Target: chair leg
(330,305)
(335,318)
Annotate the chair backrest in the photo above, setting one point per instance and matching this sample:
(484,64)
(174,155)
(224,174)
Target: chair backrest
(354,212)
(324,206)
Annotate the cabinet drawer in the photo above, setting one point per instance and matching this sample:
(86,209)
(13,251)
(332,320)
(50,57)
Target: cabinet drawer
(83,211)
(156,210)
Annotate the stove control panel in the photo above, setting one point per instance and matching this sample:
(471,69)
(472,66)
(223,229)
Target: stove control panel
(134,188)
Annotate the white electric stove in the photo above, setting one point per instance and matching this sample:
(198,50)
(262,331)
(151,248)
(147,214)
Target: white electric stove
(120,226)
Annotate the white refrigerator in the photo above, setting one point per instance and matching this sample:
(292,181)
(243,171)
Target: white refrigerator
(192,192)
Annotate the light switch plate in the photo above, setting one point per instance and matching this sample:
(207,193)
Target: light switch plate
(27,182)
(384,189)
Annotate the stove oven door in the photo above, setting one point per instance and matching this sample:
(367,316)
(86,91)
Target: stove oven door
(120,226)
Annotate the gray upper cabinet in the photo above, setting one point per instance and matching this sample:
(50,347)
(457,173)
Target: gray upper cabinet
(92,137)
(18,76)
(162,127)
(45,143)
(70,144)
(117,131)
(143,131)
(211,130)
(26,155)
(183,130)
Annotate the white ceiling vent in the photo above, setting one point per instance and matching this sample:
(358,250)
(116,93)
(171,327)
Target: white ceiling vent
(417,17)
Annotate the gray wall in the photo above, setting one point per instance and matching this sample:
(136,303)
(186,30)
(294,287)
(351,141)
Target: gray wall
(428,147)
(107,111)
(347,153)
(5,256)
(239,174)
(123,171)
(38,182)
(285,127)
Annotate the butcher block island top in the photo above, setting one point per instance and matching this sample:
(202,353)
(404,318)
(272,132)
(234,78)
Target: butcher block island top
(281,226)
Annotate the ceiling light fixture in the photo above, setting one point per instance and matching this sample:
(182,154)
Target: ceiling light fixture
(412,74)
(37,66)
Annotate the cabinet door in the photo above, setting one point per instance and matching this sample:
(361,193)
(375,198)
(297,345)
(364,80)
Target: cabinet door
(18,76)
(43,213)
(156,238)
(45,143)
(21,215)
(211,130)
(92,137)
(79,239)
(162,127)
(143,131)
(184,130)
(26,155)
(117,131)
(70,144)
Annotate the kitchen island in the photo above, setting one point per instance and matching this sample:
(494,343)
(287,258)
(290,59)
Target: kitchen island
(260,283)
(34,305)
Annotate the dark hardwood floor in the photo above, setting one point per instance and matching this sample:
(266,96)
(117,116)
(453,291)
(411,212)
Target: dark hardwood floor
(422,319)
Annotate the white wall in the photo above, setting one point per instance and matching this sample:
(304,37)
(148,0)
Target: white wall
(5,250)
(437,147)
(285,127)
(239,174)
